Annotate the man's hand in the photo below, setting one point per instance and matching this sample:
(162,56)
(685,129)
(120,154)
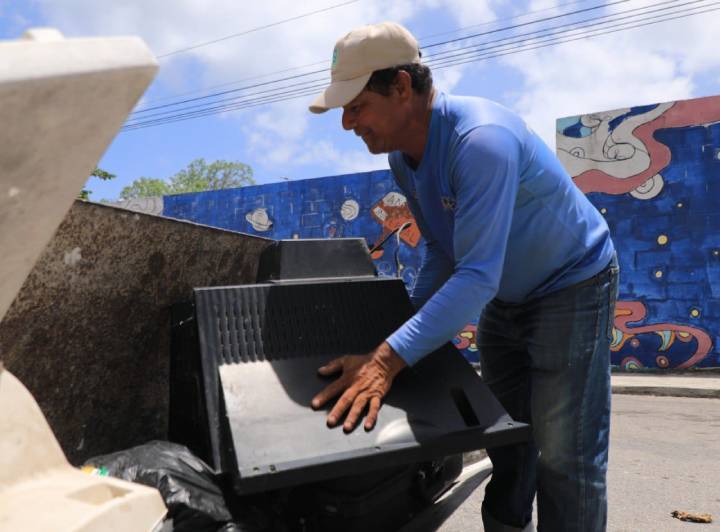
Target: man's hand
(364,381)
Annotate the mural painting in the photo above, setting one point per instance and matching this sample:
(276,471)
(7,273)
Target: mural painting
(654,173)
(367,205)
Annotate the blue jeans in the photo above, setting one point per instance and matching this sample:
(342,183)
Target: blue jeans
(548,363)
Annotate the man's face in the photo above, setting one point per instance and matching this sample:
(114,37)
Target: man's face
(378,119)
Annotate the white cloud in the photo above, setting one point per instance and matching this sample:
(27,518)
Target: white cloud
(446,79)
(637,67)
(183,23)
(468,12)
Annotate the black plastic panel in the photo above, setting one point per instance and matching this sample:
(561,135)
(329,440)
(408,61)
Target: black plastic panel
(260,347)
(288,260)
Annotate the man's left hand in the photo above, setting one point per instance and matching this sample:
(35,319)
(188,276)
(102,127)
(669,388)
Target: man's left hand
(364,381)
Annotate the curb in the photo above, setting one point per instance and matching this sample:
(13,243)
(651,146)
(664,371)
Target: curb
(667,391)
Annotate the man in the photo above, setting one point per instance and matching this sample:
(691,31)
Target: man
(508,238)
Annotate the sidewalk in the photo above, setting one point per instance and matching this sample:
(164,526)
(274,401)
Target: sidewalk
(674,385)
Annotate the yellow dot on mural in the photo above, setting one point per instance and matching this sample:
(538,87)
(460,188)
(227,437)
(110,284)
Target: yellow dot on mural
(603,211)
(680,205)
(695,313)
(658,274)
(716,253)
(662,240)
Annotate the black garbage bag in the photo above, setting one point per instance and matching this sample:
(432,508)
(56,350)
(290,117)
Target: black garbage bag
(194,500)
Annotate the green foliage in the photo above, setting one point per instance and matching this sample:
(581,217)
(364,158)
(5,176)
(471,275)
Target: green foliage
(198,176)
(100,173)
(145,187)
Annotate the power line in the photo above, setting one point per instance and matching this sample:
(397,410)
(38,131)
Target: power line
(230,91)
(483,56)
(300,85)
(546,19)
(226,84)
(253,30)
(617,16)
(430,59)
(505,19)
(479,54)
(588,34)
(324,61)
(505,28)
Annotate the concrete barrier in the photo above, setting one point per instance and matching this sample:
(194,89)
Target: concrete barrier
(88,333)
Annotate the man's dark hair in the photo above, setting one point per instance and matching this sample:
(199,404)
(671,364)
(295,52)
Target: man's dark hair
(382,80)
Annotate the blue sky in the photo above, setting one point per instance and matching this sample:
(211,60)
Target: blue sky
(672,60)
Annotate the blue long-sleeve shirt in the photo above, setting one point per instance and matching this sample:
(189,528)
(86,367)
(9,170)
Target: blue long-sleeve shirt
(500,217)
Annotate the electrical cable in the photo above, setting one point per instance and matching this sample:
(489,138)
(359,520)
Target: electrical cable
(429,61)
(506,28)
(433,62)
(585,35)
(477,54)
(482,56)
(253,30)
(324,61)
(622,14)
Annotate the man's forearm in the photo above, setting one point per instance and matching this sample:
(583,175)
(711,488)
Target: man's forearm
(388,359)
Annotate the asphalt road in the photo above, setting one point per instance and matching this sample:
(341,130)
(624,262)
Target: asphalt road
(664,456)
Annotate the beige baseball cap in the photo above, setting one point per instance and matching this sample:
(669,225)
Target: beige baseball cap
(360,53)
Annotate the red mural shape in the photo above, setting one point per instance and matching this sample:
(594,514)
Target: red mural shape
(679,114)
(466,338)
(627,312)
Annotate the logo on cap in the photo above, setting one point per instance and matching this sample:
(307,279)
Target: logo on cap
(334,58)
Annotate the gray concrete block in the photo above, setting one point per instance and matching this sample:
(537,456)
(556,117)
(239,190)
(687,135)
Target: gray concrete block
(88,333)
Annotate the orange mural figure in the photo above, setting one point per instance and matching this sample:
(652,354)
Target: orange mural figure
(391,212)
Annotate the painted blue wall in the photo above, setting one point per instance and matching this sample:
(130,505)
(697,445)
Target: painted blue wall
(679,281)
(685,295)
(309,208)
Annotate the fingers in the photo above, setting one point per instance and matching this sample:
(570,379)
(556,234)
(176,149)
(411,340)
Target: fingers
(331,367)
(331,390)
(346,399)
(355,413)
(372,413)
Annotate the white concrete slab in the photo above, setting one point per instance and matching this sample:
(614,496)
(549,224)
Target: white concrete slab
(61,103)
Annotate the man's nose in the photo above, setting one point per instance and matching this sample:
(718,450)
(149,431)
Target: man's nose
(348,122)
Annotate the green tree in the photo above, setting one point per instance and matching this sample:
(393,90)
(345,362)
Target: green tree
(198,176)
(145,187)
(99,173)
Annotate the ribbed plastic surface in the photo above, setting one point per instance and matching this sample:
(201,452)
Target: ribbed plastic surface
(269,322)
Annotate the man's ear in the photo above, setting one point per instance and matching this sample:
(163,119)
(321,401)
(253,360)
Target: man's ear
(403,84)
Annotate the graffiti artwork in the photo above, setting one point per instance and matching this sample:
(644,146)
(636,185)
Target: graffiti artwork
(668,341)
(367,205)
(654,173)
(392,212)
(616,152)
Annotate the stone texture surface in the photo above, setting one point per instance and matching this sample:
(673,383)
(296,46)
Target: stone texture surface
(88,334)
(61,103)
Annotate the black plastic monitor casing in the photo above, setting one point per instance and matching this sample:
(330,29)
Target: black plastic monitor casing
(245,370)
